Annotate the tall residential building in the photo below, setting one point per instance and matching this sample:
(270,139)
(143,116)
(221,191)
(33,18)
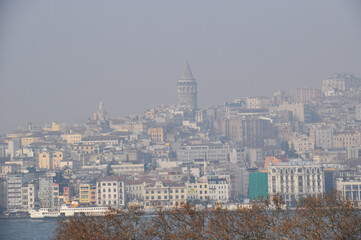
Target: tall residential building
(249,131)
(187,88)
(45,193)
(305,94)
(14,187)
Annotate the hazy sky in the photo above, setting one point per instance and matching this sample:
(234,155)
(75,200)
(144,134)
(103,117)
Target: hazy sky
(58,59)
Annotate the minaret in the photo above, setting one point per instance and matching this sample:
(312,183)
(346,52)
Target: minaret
(187,88)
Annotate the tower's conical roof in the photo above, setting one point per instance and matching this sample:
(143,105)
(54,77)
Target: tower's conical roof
(187,72)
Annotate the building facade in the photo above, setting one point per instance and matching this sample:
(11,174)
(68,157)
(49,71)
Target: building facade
(295,180)
(111,191)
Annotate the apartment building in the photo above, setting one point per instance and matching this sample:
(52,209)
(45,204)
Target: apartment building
(111,191)
(218,189)
(165,194)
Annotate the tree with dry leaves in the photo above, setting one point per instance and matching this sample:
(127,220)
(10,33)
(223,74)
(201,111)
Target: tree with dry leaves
(316,217)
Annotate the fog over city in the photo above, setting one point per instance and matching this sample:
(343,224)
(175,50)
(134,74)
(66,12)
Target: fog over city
(58,59)
(186,119)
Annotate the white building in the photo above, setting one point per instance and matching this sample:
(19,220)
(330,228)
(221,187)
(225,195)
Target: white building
(111,191)
(322,137)
(128,168)
(350,189)
(14,187)
(218,189)
(295,179)
(212,152)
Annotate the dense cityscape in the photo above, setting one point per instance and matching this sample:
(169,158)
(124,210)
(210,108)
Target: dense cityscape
(299,143)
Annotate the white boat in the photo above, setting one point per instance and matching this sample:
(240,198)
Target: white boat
(44,213)
(68,212)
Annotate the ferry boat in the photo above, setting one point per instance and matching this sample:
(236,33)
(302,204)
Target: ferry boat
(66,211)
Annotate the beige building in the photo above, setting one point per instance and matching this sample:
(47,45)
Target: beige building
(346,139)
(71,138)
(84,193)
(258,102)
(27,140)
(303,144)
(164,194)
(127,127)
(50,160)
(156,134)
(300,111)
(197,190)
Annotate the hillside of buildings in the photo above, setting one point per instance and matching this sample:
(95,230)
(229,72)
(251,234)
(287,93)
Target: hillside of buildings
(296,144)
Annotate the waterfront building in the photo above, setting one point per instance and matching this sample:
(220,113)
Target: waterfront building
(45,193)
(296,179)
(84,193)
(198,190)
(14,191)
(350,188)
(258,185)
(111,191)
(218,189)
(164,194)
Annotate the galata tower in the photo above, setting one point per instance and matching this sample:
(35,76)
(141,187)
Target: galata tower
(187,88)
